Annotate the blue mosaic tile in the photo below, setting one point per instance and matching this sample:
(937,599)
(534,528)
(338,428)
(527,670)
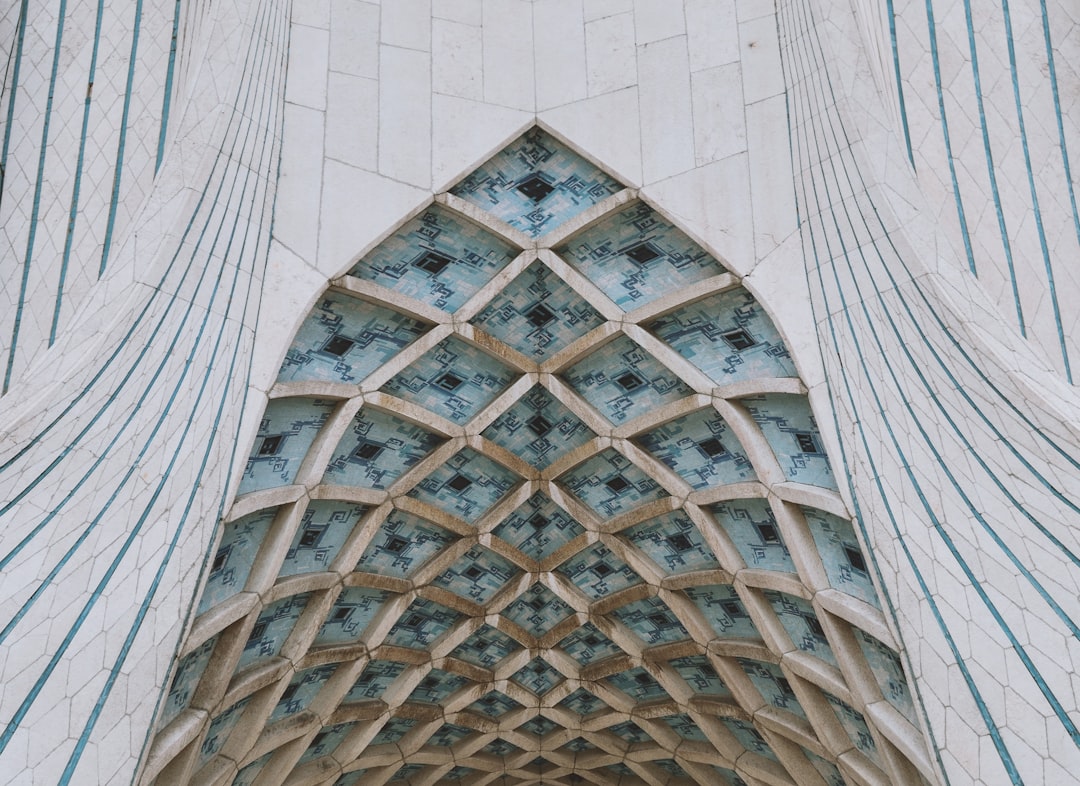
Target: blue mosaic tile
(582,702)
(393,730)
(621,380)
(578,745)
(421,624)
(286,431)
(855,725)
(454,380)
(538,676)
(377,449)
(500,747)
(437,686)
(539,725)
(350,778)
(670,766)
(301,690)
(774,687)
(344,339)
(686,727)
(791,431)
(826,769)
(538,610)
(323,530)
(235,556)
(597,572)
(587,645)
(406,772)
(723,610)
(272,627)
(652,621)
(220,729)
(631,732)
(374,681)
(494,704)
(728,777)
(535,184)
(247,776)
(799,620)
(538,314)
(448,735)
(477,575)
(486,647)
(466,485)
(750,737)
(753,529)
(188,673)
(635,256)
(354,608)
(326,741)
(700,675)
(403,544)
(538,429)
(638,684)
(889,672)
(728,337)
(539,527)
(610,484)
(621,769)
(844,561)
(458,773)
(701,448)
(674,543)
(437,257)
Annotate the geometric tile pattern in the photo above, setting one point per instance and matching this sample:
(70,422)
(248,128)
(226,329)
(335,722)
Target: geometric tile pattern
(701,449)
(539,429)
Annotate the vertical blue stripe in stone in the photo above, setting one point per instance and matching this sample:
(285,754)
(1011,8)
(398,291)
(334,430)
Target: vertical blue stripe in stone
(20,36)
(166,101)
(899,81)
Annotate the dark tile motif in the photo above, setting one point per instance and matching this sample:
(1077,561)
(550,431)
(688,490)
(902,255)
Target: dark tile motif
(326,742)
(610,484)
(477,575)
(494,704)
(723,610)
(855,725)
(272,628)
(466,485)
(377,449)
(486,647)
(773,685)
(538,429)
(235,556)
(538,610)
(791,431)
(403,544)
(750,737)
(539,527)
(582,702)
(421,624)
(286,431)
(354,609)
(597,572)
(220,729)
(587,645)
(538,676)
(301,690)
(639,685)
(753,529)
(701,449)
(374,681)
(186,680)
(652,621)
(801,622)
(323,530)
(674,543)
(700,675)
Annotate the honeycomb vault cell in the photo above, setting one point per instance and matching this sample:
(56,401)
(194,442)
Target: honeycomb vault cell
(541,546)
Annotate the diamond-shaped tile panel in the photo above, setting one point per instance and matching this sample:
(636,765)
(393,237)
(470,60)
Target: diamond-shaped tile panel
(235,557)
(448,734)
(325,526)
(405,773)
(791,431)
(731,778)
(728,336)
(421,624)
(538,314)
(700,675)
(466,485)
(455,776)
(578,745)
(301,690)
(753,529)
(889,672)
(535,184)
(350,778)
(587,645)
(538,676)
(538,610)
(354,609)
(374,681)
(670,766)
(220,729)
(272,627)
(454,380)
(638,684)
(437,686)
(538,429)
(477,575)
(855,725)
(723,610)
(749,736)
(652,621)
(437,257)
(597,572)
(582,702)
(844,561)
(674,543)
(621,380)
(344,339)
(635,256)
(539,527)
(500,747)
(393,730)
(801,622)
(247,775)
(631,732)
(287,429)
(403,544)
(377,449)
(701,448)
(326,742)
(610,484)
(539,725)
(773,685)
(188,672)
(826,769)
(494,704)
(486,647)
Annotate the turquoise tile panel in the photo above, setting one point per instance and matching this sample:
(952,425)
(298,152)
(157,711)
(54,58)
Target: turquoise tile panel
(326,741)
(539,725)
(752,527)
(750,737)
(500,747)
(597,572)
(701,448)
(791,431)
(486,647)
(855,725)
(286,431)
(621,769)
(889,672)
(582,702)
(631,732)
(728,337)
(301,690)
(728,777)
(724,610)
(801,622)
(587,645)
(437,257)
(539,527)
(466,485)
(671,767)
(354,608)
(477,575)
(700,675)
(374,681)
(220,729)
(403,544)
(537,610)
(621,380)
(188,673)
(610,484)
(324,528)
(538,429)
(455,776)
(674,543)
(377,449)
(844,561)
(638,684)
(635,256)
(652,621)
(494,705)
(437,686)
(535,184)
(826,769)
(350,778)
(247,776)
(235,556)
(538,676)
(344,339)
(448,735)
(774,687)
(578,745)
(392,731)
(421,624)
(272,627)
(404,773)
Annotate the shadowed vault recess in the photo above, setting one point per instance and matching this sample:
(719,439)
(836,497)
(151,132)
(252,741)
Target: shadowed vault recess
(538,497)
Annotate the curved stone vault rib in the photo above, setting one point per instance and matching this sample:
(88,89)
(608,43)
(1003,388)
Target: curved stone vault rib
(538,497)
